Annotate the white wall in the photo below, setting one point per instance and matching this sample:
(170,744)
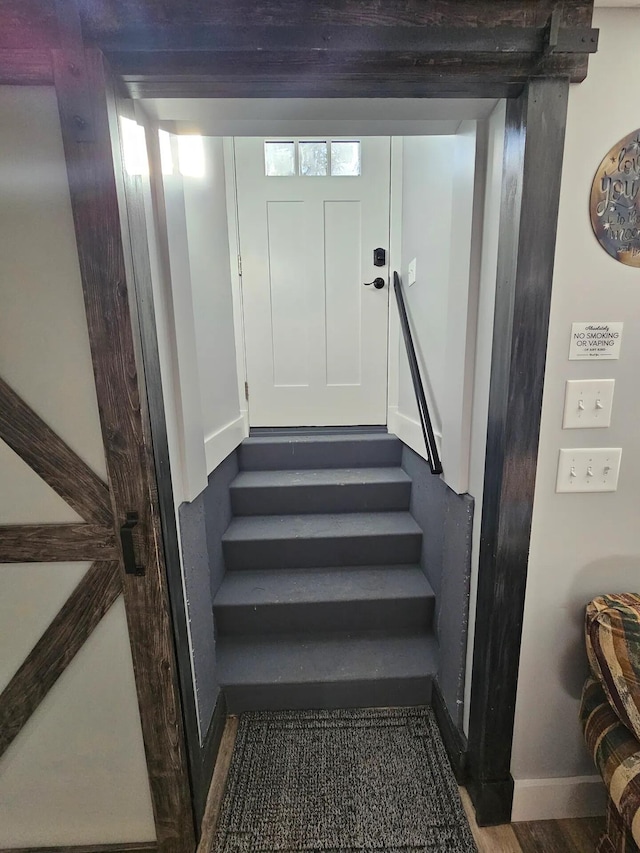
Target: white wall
(318,116)
(581,545)
(469,167)
(199,329)
(205,202)
(427,197)
(178,337)
(76,773)
(155,216)
(438,186)
(189,253)
(484,341)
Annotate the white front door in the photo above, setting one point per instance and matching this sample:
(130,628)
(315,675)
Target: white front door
(310,215)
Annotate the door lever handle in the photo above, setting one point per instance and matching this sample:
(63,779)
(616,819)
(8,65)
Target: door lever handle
(378,283)
(128,551)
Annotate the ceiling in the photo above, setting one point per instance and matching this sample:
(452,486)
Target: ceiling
(302,116)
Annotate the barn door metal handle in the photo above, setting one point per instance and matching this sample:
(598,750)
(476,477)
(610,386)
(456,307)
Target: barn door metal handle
(378,283)
(128,551)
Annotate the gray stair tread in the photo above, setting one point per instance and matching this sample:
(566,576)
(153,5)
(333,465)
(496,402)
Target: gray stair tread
(337,450)
(319,477)
(337,658)
(320,526)
(302,586)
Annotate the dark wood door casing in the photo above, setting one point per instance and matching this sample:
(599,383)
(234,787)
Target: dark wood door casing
(469,52)
(532,167)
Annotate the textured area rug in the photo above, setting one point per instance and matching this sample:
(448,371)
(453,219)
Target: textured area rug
(341,782)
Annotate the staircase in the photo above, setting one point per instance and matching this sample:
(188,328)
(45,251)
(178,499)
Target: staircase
(324,603)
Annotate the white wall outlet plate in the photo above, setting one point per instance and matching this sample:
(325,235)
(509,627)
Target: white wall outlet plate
(412,272)
(590,469)
(588,403)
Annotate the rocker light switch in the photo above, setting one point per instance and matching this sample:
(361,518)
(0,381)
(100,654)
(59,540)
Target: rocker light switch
(592,469)
(587,403)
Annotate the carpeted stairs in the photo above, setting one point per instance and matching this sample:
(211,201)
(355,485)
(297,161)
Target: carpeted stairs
(324,603)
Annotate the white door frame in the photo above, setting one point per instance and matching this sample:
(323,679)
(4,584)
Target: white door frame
(236,276)
(395,256)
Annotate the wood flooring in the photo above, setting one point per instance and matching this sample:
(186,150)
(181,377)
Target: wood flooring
(545,836)
(579,835)
(574,836)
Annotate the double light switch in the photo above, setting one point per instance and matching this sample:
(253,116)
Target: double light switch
(588,403)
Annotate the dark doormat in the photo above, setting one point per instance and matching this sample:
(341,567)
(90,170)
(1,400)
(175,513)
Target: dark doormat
(341,782)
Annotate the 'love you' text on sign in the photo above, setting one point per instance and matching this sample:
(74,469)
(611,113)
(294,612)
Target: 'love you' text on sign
(615,201)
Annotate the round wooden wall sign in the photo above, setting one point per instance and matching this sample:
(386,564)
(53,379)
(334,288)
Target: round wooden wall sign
(615,201)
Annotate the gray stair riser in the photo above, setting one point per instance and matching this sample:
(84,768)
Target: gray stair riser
(402,614)
(381,693)
(285,456)
(391,549)
(354,497)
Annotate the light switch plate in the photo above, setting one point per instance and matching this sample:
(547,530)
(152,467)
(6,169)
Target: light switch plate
(591,469)
(588,403)
(412,272)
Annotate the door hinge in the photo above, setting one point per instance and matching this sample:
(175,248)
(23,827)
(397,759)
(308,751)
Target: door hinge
(240,266)
(246,390)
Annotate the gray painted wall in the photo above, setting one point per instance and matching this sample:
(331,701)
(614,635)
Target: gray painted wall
(218,511)
(446,519)
(582,545)
(202,523)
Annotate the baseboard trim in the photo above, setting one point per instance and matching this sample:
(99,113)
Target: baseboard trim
(555,799)
(455,743)
(492,801)
(221,443)
(133,847)
(409,431)
(218,784)
(208,755)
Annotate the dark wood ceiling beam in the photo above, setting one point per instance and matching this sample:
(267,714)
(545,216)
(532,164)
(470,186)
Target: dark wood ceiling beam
(188,60)
(329,86)
(25,67)
(44,543)
(426,41)
(268,74)
(57,647)
(53,460)
(435,48)
(101,17)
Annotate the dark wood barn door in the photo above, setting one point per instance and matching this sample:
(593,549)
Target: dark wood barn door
(119,532)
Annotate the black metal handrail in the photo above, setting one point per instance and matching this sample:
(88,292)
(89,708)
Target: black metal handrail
(433,457)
